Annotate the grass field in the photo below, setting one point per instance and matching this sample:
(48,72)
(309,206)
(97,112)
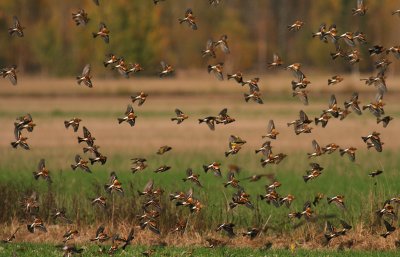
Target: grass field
(34,250)
(193,145)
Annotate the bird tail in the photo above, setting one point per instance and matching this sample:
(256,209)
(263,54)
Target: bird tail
(364,107)
(14,144)
(346,105)
(120,120)
(316,121)
(294,85)
(36,175)
(209,68)
(92,161)
(227,154)
(105,64)
(334,56)
(329,200)
(330,81)
(30,228)
(341,152)
(66,124)
(262,197)
(306,178)
(378,120)
(205,168)
(263,163)
(74,166)
(229,76)
(232,205)
(201,121)
(364,139)
(246,97)
(94,35)
(80,139)
(181,20)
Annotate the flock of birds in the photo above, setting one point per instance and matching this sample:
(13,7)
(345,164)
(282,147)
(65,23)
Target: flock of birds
(345,47)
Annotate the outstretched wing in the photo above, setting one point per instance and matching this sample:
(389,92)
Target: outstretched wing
(86,70)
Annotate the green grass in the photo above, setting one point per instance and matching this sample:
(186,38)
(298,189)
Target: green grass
(40,250)
(72,190)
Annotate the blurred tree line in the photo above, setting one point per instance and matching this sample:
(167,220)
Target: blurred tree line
(147,33)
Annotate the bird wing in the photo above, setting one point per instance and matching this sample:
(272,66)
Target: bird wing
(149,185)
(129,109)
(41,164)
(86,70)
(316,146)
(178,112)
(78,158)
(99,230)
(332,101)
(271,126)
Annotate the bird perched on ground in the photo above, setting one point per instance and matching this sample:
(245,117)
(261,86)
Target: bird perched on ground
(10,73)
(217,69)
(81,163)
(130,116)
(16,29)
(180,116)
(80,17)
(85,77)
(103,33)
(190,19)
(166,69)
(295,26)
(74,123)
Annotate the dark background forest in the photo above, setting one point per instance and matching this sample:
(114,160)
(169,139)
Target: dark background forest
(146,33)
